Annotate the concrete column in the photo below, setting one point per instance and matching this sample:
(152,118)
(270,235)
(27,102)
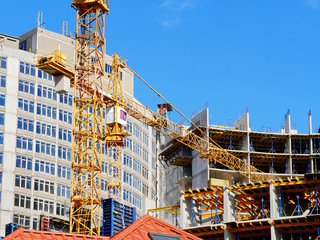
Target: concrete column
(288,130)
(185,212)
(310,142)
(274,211)
(9,156)
(229,235)
(275,233)
(229,212)
(274,202)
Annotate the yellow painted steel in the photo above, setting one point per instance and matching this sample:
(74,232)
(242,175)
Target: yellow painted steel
(164,208)
(206,148)
(115,132)
(219,126)
(85,209)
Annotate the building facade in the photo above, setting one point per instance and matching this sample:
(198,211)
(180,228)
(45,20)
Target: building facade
(36,137)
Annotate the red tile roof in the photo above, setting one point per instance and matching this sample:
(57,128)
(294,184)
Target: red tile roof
(138,230)
(28,234)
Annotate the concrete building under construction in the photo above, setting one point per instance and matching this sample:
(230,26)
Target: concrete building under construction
(211,201)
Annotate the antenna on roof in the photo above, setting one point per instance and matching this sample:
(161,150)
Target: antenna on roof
(64,28)
(40,23)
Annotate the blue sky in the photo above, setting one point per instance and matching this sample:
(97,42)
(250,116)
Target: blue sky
(230,53)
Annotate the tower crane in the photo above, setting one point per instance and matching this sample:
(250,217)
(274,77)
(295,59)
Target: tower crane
(90,97)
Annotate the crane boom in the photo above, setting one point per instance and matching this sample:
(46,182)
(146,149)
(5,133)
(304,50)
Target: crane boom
(206,147)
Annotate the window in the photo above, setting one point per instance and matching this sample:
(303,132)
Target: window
(2,100)
(65,116)
(2,81)
(3,63)
(46,148)
(63,191)
(108,68)
(26,105)
(136,183)
(136,200)
(137,166)
(21,220)
(35,223)
(145,155)
(44,167)
(44,75)
(104,167)
(64,153)
(137,132)
(160,236)
(145,139)
(127,178)
(103,185)
(46,110)
(129,127)
(65,135)
(1,118)
(62,210)
(25,124)
(127,160)
(23,182)
(0,177)
(1,157)
(145,189)
(145,172)
(47,92)
(27,68)
(127,195)
(128,143)
(46,129)
(43,205)
(23,46)
(132,198)
(23,162)
(26,87)
(1,138)
(137,149)
(22,201)
(66,98)
(43,186)
(64,172)
(24,143)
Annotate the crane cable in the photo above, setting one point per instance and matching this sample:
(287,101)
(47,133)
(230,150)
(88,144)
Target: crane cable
(202,132)
(173,107)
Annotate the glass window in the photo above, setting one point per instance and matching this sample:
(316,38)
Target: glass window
(3,81)
(159,236)
(2,99)
(3,63)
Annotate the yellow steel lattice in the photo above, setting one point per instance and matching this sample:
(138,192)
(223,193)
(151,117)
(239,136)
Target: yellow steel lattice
(85,209)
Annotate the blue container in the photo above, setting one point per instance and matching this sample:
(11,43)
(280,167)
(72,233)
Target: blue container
(10,228)
(116,216)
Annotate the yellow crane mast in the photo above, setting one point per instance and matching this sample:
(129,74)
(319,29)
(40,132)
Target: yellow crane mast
(114,130)
(85,209)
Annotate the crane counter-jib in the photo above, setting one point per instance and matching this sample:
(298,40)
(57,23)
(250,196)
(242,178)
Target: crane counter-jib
(206,147)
